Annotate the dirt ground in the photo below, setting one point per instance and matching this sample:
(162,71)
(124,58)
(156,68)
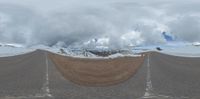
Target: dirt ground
(97,72)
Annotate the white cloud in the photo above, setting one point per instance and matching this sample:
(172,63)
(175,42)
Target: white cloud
(123,22)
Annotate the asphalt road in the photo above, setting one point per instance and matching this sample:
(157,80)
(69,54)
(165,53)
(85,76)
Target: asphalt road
(175,77)
(34,76)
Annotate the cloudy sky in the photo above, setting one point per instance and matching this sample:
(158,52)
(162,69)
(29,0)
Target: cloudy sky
(115,23)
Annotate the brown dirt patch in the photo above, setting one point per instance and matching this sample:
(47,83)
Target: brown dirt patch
(97,72)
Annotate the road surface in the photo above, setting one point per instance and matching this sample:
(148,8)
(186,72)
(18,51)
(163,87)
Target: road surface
(175,77)
(34,76)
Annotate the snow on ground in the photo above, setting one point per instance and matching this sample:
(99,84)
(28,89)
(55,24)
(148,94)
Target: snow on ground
(123,55)
(86,54)
(12,51)
(178,49)
(185,51)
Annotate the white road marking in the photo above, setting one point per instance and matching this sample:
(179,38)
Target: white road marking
(45,87)
(149,88)
(23,97)
(46,84)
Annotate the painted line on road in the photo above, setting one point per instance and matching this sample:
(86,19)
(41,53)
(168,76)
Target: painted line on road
(45,87)
(149,88)
(46,84)
(149,93)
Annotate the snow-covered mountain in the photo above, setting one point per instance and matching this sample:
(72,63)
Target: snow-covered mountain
(174,48)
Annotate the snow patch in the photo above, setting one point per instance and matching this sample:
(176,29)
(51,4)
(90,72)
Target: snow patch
(9,51)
